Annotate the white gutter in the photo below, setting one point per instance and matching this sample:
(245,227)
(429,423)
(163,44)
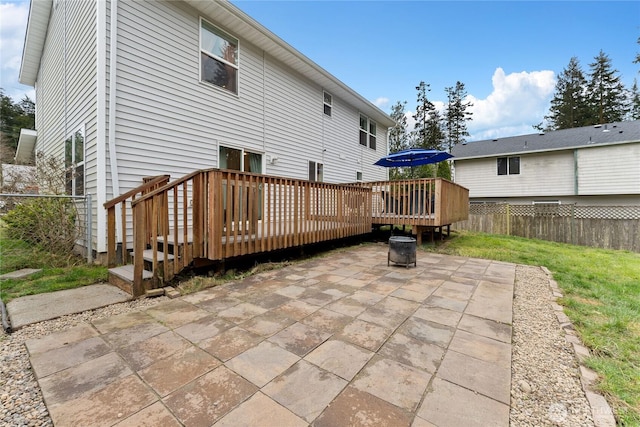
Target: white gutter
(113,158)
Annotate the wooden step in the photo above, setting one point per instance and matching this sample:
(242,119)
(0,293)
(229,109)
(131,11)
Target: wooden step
(147,255)
(122,277)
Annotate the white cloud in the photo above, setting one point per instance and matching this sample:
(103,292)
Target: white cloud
(518,101)
(381,102)
(13,24)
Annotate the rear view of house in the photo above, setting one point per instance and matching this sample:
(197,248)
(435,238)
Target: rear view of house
(133,89)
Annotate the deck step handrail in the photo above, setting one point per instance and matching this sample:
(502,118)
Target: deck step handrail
(149,184)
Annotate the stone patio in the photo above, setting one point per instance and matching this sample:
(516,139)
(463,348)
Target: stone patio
(338,340)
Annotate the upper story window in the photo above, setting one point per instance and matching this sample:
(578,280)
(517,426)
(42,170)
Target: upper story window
(508,165)
(328,103)
(218,57)
(74,163)
(367,132)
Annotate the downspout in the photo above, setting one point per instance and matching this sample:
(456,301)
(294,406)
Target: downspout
(101,115)
(575,172)
(113,160)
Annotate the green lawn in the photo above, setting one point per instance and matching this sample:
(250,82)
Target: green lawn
(57,272)
(601,296)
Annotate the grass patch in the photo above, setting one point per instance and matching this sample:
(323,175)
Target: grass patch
(601,297)
(58,272)
(52,279)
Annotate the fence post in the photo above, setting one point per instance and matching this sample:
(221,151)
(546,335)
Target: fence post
(88,228)
(508,213)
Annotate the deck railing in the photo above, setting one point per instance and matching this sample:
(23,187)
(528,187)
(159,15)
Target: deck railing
(218,214)
(431,202)
(123,204)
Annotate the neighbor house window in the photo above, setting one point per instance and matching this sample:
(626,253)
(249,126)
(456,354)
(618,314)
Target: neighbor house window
(367,132)
(358,176)
(74,163)
(316,172)
(240,160)
(508,165)
(218,57)
(328,103)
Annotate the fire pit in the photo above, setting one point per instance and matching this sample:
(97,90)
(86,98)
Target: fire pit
(402,250)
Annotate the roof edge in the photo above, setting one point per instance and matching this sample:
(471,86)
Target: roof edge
(568,148)
(34,38)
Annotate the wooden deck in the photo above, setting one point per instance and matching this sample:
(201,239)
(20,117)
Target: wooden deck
(222,214)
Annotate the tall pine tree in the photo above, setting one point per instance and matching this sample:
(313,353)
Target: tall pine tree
(398,138)
(428,128)
(606,95)
(456,115)
(569,107)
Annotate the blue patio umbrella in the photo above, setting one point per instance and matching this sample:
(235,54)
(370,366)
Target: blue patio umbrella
(413,157)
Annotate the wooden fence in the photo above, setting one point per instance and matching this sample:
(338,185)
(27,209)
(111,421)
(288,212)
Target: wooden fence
(609,227)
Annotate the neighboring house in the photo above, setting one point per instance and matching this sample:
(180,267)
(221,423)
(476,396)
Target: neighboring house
(131,89)
(592,165)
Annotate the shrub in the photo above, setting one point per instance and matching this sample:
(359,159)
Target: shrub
(49,223)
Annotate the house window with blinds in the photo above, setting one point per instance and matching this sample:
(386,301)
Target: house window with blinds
(218,57)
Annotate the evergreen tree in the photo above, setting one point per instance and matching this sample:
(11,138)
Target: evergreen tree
(606,95)
(634,102)
(456,115)
(398,137)
(569,107)
(428,128)
(13,117)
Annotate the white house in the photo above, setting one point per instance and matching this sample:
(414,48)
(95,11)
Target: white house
(130,89)
(592,165)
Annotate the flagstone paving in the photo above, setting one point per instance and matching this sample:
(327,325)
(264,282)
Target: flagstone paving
(338,340)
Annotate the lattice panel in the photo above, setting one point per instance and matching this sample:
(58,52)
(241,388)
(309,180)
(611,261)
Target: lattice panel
(608,212)
(487,208)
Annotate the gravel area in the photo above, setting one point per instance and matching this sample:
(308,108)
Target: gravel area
(546,388)
(545,379)
(21,402)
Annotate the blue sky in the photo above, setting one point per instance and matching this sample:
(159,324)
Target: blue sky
(507,53)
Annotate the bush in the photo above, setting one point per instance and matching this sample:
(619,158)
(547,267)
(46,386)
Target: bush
(49,223)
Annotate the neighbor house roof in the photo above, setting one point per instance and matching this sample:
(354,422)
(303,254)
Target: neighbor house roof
(235,21)
(566,139)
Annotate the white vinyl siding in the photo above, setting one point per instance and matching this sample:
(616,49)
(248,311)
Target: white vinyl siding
(163,108)
(613,169)
(549,174)
(67,74)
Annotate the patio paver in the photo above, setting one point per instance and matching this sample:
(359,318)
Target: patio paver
(339,340)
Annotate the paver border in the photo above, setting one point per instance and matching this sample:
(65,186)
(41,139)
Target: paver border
(601,411)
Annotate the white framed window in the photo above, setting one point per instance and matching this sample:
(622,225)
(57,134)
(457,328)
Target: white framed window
(74,163)
(358,176)
(240,160)
(367,132)
(316,172)
(508,165)
(219,53)
(328,103)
